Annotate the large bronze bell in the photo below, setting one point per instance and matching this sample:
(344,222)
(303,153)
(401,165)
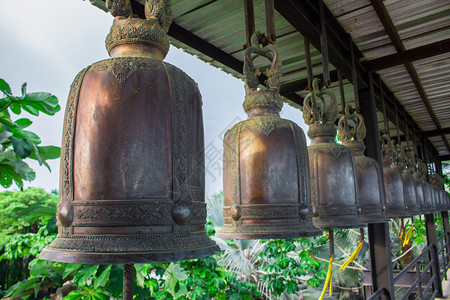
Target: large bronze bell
(132,174)
(332,166)
(417,176)
(437,192)
(352,131)
(266,174)
(393,183)
(428,197)
(409,187)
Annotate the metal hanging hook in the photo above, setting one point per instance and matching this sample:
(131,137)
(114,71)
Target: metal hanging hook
(324,46)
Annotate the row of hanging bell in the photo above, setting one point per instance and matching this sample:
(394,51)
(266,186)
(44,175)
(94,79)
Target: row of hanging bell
(352,131)
(332,166)
(266,169)
(132,161)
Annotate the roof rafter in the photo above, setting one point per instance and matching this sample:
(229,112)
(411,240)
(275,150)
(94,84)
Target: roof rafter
(408,56)
(390,29)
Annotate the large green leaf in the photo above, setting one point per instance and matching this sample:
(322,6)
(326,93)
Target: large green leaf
(23,123)
(71,269)
(40,101)
(45,153)
(82,276)
(102,278)
(115,283)
(21,147)
(35,212)
(38,267)
(4,87)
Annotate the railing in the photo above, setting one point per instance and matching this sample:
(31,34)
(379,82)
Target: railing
(421,270)
(417,278)
(378,294)
(443,242)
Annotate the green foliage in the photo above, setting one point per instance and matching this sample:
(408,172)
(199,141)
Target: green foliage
(17,143)
(24,211)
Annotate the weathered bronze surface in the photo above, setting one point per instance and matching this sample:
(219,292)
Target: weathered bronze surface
(266,174)
(409,186)
(428,196)
(352,131)
(392,170)
(418,174)
(332,166)
(132,173)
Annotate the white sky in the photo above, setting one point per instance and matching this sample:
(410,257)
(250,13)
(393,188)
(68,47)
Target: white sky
(47,42)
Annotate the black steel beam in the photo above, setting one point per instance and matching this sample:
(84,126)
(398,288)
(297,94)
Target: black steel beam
(432,239)
(437,132)
(407,56)
(444,157)
(304,17)
(379,238)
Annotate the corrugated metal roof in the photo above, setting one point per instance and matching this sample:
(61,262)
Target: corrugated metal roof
(221,23)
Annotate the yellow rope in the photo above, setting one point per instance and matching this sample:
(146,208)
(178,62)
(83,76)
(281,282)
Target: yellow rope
(408,236)
(353,256)
(327,281)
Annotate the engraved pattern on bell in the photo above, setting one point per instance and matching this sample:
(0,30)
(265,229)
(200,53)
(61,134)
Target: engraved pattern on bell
(132,171)
(265,164)
(333,171)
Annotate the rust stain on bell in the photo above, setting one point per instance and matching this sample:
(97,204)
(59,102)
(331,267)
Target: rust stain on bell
(371,199)
(266,174)
(132,174)
(333,171)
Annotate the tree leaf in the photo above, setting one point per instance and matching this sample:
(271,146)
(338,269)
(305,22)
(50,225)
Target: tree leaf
(115,284)
(15,108)
(4,135)
(4,87)
(24,89)
(23,123)
(21,147)
(82,276)
(39,267)
(71,269)
(102,279)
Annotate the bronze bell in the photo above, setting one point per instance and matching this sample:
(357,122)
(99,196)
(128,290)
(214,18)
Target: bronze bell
(132,173)
(427,195)
(393,183)
(434,199)
(266,174)
(333,171)
(437,192)
(352,131)
(417,176)
(409,187)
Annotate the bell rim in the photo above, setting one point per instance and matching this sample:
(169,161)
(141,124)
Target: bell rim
(344,223)
(102,258)
(250,232)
